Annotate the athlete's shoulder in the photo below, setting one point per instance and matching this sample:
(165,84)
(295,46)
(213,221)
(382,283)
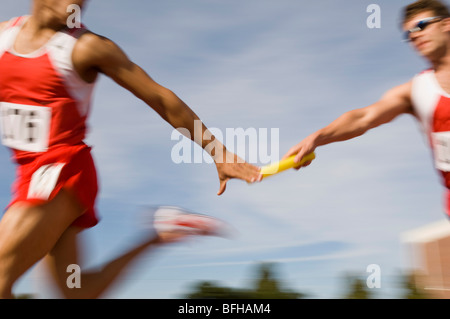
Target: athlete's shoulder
(96,50)
(399,98)
(94,44)
(3,25)
(12,22)
(425,72)
(93,53)
(402,90)
(93,39)
(422,80)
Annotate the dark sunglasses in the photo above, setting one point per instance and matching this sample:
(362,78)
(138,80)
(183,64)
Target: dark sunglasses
(421,25)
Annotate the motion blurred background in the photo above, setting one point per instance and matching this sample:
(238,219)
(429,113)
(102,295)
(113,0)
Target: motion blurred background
(289,65)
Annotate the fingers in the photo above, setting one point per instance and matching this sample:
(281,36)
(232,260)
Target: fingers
(223,186)
(299,156)
(237,170)
(295,150)
(307,164)
(292,151)
(304,165)
(250,173)
(300,150)
(254,174)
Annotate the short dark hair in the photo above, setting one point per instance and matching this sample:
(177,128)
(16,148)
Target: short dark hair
(437,7)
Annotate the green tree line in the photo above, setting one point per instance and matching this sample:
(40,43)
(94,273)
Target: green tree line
(268,285)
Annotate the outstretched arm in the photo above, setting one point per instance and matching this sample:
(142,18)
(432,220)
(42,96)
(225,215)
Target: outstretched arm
(357,122)
(95,54)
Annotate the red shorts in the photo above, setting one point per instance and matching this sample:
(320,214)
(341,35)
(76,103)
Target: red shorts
(68,167)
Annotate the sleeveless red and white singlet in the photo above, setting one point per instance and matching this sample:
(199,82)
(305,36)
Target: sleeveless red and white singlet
(432,107)
(44,105)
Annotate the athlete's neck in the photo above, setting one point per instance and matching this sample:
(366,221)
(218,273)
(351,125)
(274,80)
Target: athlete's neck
(33,35)
(439,58)
(442,64)
(42,19)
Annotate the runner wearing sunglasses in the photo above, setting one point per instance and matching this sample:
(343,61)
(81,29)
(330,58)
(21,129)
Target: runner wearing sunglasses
(420,25)
(426,25)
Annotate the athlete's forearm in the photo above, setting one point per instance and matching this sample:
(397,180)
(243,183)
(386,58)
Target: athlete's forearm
(357,122)
(181,117)
(349,125)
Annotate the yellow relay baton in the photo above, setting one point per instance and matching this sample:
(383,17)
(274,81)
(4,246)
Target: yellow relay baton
(285,164)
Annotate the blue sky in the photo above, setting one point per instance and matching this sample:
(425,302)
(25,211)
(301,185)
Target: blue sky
(290,65)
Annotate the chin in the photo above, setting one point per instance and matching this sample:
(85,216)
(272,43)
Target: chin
(428,52)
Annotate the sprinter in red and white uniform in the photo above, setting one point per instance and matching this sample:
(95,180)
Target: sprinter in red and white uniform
(47,77)
(426,25)
(44,105)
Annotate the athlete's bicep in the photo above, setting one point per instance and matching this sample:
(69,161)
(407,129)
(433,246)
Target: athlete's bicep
(101,55)
(393,103)
(133,78)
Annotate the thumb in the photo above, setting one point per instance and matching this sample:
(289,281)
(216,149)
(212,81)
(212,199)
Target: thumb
(223,186)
